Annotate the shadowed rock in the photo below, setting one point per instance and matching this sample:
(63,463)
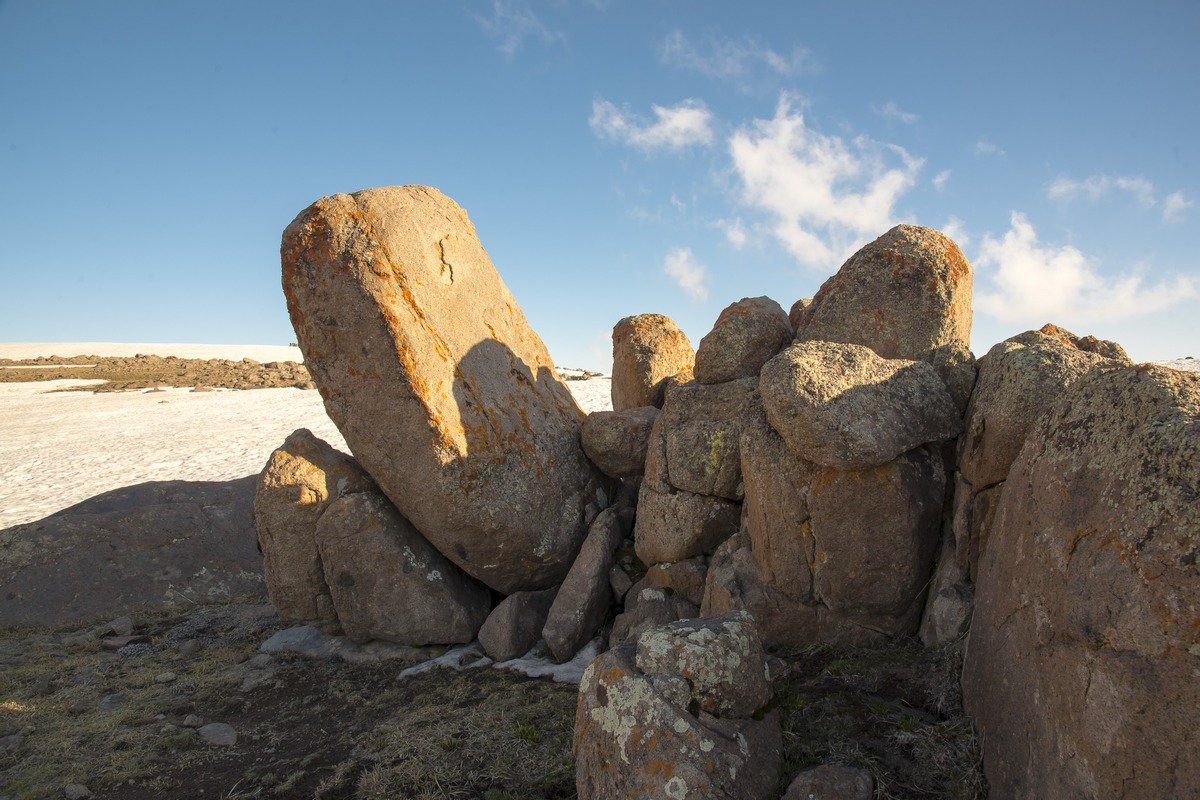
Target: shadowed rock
(616,441)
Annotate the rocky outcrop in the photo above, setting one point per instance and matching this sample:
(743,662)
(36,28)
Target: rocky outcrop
(616,441)
(746,335)
(841,405)
(584,597)
(647,350)
(674,715)
(388,583)
(443,392)
(1082,658)
(143,548)
(905,295)
(515,625)
(301,478)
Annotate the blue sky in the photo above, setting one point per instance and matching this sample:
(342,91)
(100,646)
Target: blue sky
(616,157)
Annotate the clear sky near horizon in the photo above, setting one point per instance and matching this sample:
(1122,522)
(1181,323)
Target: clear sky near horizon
(616,157)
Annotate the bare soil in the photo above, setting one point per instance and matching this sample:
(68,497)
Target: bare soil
(149,372)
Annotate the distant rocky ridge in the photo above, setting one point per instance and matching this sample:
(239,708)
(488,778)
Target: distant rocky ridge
(125,373)
(843,474)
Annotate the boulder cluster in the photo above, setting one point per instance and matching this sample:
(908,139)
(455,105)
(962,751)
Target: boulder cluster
(844,473)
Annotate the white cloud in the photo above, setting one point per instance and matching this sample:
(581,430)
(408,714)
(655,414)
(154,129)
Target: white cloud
(826,196)
(956,230)
(1037,283)
(986,147)
(735,60)
(735,232)
(939,180)
(1097,186)
(1174,205)
(685,270)
(512,21)
(675,127)
(890,110)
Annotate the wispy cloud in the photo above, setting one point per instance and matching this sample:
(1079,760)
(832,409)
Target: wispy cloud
(673,128)
(511,22)
(1034,282)
(956,230)
(825,195)
(743,61)
(986,147)
(939,181)
(1097,186)
(1174,206)
(735,231)
(683,268)
(890,110)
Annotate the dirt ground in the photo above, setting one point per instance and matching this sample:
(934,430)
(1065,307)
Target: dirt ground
(123,724)
(150,371)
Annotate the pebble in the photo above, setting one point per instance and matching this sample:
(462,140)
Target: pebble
(118,642)
(164,677)
(121,626)
(76,791)
(189,648)
(192,721)
(110,701)
(255,678)
(218,733)
(259,661)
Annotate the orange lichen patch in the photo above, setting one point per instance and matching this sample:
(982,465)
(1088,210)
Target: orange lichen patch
(659,768)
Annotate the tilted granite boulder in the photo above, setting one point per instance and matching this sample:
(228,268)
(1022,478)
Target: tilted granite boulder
(647,350)
(1084,646)
(515,624)
(443,392)
(843,406)
(904,295)
(746,335)
(641,728)
(585,595)
(616,441)
(301,478)
(388,583)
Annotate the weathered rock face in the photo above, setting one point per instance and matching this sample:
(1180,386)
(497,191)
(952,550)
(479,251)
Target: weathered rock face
(872,558)
(1083,652)
(444,393)
(951,600)
(675,525)
(641,728)
(746,335)
(647,350)
(699,431)
(515,624)
(904,295)
(299,482)
(585,595)
(841,405)
(616,441)
(388,583)
(180,543)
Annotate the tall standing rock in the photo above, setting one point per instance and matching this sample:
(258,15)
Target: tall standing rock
(443,392)
(905,295)
(298,483)
(648,349)
(1085,643)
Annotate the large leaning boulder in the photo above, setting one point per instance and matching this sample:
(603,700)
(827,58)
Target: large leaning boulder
(442,390)
(681,713)
(301,478)
(648,349)
(388,583)
(1085,645)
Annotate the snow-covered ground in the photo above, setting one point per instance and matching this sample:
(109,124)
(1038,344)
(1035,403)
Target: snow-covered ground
(60,448)
(233,352)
